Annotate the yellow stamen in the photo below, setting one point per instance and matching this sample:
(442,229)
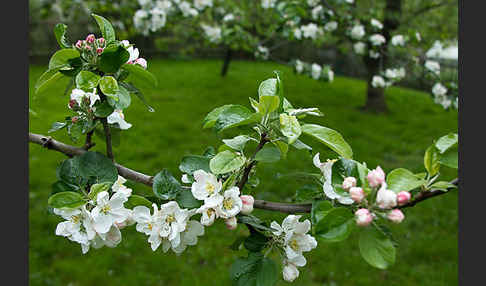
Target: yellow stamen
(169,219)
(228,203)
(210,188)
(294,245)
(210,212)
(105,209)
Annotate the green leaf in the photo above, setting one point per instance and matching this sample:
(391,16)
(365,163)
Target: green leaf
(57,126)
(431,160)
(256,242)
(268,103)
(165,186)
(280,91)
(446,142)
(319,210)
(103,109)
(138,93)
(96,166)
(98,188)
(329,137)
(212,116)
(66,200)
(140,76)
(268,87)
(336,225)
(343,168)
(191,163)
(225,162)
(254,104)
(135,200)
(109,86)
(282,147)
(254,270)
(232,116)
(106,28)
(237,143)
(60,33)
(87,80)
(403,180)
(290,127)
(301,145)
(185,199)
(113,57)
(123,97)
(268,154)
(48,79)
(61,186)
(62,59)
(376,248)
(450,158)
(443,186)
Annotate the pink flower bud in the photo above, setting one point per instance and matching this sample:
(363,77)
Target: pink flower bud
(99,51)
(90,38)
(101,41)
(376,177)
(231,223)
(349,182)
(357,194)
(396,216)
(363,217)
(88,48)
(72,103)
(79,44)
(403,198)
(74,119)
(142,62)
(248,201)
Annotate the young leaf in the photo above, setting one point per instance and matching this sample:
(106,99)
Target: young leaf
(135,200)
(232,116)
(57,126)
(268,103)
(140,76)
(329,137)
(113,57)
(237,143)
(431,160)
(191,163)
(268,154)
(268,88)
(212,116)
(449,158)
(336,225)
(280,91)
(61,59)
(103,109)
(376,248)
(225,162)
(60,33)
(446,142)
(96,166)
(106,28)
(185,199)
(256,242)
(290,127)
(66,200)
(109,86)
(165,186)
(443,186)
(123,97)
(403,180)
(87,80)
(98,188)
(319,210)
(47,79)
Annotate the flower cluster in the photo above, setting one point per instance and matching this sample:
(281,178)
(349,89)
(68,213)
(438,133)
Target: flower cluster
(262,52)
(152,16)
(91,47)
(97,223)
(439,91)
(292,237)
(314,70)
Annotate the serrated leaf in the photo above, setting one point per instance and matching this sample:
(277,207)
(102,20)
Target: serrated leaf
(191,163)
(106,28)
(376,249)
(402,179)
(87,80)
(225,162)
(61,59)
(330,138)
(268,154)
(66,200)
(290,127)
(165,186)
(60,33)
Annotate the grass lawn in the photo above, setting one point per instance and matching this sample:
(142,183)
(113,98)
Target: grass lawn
(188,90)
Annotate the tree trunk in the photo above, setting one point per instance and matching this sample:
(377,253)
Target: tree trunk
(375,100)
(227,60)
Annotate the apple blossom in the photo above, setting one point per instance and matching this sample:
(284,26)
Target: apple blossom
(187,10)
(357,194)
(231,223)
(134,53)
(299,66)
(213,33)
(316,71)
(99,51)
(373,54)
(78,226)
(363,217)
(395,216)
(142,62)
(378,81)
(349,182)
(290,272)
(189,236)
(206,187)
(331,26)
(297,33)
(326,169)
(266,4)
(231,204)
(108,211)
(78,95)
(357,32)
(173,221)
(208,215)
(377,24)
(386,199)
(120,188)
(359,48)
(79,44)
(433,66)
(312,3)
(316,12)
(228,17)
(201,4)
(377,39)
(148,224)
(403,198)
(438,89)
(118,117)
(247,201)
(398,40)
(376,177)
(310,30)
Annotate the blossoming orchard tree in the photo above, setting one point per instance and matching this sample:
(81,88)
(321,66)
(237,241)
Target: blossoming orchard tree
(94,205)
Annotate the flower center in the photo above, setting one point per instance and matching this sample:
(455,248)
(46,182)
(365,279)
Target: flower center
(210,212)
(170,218)
(75,218)
(228,203)
(105,209)
(210,188)
(294,245)
(150,226)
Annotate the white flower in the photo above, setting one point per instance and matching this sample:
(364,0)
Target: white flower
(189,236)
(456,103)
(148,224)
(316,71)
(312,3)
(433,66)
(377,24)
(108,211)
(206,188)
(386,199)
(208,215)
(377,39)
(443,100)
(290,272)
(119,187)
(349,182)
(141,62)
(331,26)
(378,81)
(228,18)
(316,12)
(78,226)
(266,4)
(417,35)
(330,75)
(295,237)
(187,10)
(357,32)
(299,66)
(118,117)
(398,40)
(134,53)
(262,52)
(173,221)
(395,74)
(78,95)
(359,48)
(231,204)
(213,33)
(310,31)
(297,33)
(373,54)
(201,4)
(110,239)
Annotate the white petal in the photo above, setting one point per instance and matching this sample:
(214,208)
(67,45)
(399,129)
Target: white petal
(102,223)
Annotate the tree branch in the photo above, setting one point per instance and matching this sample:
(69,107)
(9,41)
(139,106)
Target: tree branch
(248,168)
(426,9)
(106,127)
(133,175)
(88,144)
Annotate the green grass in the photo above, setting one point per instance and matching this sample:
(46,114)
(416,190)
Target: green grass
(427,253)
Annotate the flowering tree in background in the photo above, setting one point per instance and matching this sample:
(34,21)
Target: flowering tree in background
(95,205)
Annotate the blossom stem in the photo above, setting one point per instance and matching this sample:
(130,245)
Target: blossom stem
(248,168)
(106,127)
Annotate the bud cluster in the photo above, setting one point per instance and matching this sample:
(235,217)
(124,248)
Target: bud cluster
(91,47)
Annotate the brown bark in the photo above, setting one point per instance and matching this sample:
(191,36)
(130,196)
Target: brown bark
(227,60)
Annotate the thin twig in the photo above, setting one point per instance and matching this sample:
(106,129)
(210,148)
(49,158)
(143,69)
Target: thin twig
(106,127)
(253,162)
(88,143)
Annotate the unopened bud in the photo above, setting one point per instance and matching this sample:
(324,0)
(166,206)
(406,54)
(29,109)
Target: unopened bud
(396,216)
(74,119)
(79,44)
(101,41)
(231,223)
(73,103)
(403,198)
(363,217)
(357,194)
(248,201)
(349,182)
(142,62)
(376,177)
(90,38)
(99,51)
